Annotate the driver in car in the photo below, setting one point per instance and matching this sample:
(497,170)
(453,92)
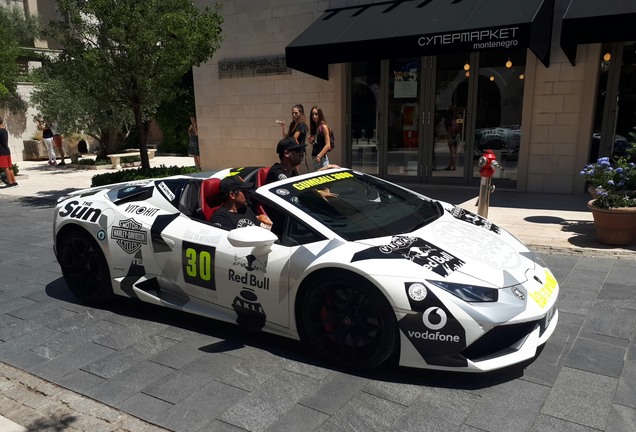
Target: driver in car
(234,211)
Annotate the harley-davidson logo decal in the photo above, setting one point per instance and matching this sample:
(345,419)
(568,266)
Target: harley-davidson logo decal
(129,235)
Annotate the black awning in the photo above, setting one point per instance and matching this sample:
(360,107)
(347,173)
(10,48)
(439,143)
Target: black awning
(414,28)
(587,21)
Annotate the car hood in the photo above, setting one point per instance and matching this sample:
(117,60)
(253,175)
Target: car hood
(457,247)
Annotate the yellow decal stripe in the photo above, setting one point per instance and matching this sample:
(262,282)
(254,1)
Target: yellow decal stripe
(542,296)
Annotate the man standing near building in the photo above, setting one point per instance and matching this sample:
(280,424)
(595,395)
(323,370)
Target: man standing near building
(57,141)
(5,156)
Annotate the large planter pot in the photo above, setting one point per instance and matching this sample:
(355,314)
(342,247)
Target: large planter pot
(615,226)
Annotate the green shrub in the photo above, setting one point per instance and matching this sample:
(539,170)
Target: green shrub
(140,174)
(130,159)
(86,162)
(15,169)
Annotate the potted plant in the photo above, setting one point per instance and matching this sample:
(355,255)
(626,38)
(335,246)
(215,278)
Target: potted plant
(614,208)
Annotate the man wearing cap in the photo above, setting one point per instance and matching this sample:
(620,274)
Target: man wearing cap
(234,212)
(291,155)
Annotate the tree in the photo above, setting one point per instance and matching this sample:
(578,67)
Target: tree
(131,54)
(16,30)
(74,109)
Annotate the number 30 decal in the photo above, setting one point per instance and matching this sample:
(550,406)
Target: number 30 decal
(198,264)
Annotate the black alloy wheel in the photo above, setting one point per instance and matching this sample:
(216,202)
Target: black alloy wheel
(349,323)
(84,268)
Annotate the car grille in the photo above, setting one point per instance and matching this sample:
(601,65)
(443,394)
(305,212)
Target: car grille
(499,340)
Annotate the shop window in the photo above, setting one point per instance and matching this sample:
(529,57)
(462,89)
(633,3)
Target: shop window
(498,108)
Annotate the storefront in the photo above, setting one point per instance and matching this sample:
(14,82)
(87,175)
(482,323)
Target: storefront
(611,24)
(416,90)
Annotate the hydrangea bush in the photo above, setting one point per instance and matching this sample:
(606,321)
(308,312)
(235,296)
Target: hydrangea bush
(614,181)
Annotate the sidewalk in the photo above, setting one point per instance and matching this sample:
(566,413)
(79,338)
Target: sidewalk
(544,222)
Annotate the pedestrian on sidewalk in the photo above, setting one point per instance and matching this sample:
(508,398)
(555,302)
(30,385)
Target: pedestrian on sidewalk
(47,136)
(5,156)
(57,141)
(193,145)
(320,138)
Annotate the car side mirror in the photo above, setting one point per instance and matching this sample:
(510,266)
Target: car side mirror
(255,237)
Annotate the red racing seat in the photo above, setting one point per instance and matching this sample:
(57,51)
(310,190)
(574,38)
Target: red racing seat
(210,197)
(261,176)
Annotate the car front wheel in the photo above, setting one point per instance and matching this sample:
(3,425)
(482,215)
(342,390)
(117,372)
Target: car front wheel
(349,323)
(84,268)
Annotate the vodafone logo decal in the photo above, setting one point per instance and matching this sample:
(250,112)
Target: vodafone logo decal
(438,317)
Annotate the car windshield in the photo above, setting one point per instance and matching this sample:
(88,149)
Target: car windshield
(365,206)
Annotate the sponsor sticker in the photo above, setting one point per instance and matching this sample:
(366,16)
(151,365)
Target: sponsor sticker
(83,211)
(249,311)
(434,318)
(542,296)
(416,250)
(317,181)
(129,235)
(472,218)
(250,262)
(165,190)
(432,329)
(141,210)
(417,292)
(249,280)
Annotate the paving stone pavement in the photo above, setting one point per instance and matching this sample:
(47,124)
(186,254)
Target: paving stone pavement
(135,367)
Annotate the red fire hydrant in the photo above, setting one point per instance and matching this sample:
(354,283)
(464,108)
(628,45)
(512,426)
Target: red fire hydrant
(487,166)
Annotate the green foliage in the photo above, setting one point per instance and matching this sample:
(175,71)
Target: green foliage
(614,181)
(128,55)
(16,31)
(15,169)
(86,161)
(140,174)
(173,118)
(130,159)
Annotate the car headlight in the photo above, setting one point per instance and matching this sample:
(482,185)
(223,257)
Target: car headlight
(468,293)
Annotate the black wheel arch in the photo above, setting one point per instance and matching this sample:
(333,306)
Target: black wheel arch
(70,229)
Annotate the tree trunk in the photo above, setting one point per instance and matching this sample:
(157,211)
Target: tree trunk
(141,130)
(109,143)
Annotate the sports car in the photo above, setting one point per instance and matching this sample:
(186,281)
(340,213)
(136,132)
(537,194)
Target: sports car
(360,269)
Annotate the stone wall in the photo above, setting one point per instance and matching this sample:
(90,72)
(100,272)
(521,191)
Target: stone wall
(236,116)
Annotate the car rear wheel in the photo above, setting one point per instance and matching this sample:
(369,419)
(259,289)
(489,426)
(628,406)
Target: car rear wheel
(84,268)
(349,323)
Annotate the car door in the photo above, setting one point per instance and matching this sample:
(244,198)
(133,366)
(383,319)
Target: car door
(206,269)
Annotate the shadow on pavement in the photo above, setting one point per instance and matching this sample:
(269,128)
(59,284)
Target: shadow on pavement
(46,198)
(233,338)
(53,424)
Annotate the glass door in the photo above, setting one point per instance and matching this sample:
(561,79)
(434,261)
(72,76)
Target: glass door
(403,118)
(615,120)
(450,129)
(499,103)
(365,112)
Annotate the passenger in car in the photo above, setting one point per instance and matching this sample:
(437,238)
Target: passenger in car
(234,211)
(291,155)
